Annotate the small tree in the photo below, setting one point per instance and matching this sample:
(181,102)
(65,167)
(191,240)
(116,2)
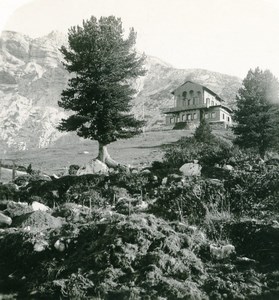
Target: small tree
(103,63)
(203,132)
(256,112)
(29,169)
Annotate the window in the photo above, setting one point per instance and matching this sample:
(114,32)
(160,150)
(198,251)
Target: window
(213,115)
(212,103)
(228,119)
(189,117)
(191,93)
(189,102)
(194,101)
(206,115)
(178,119)
(195,116)
(183,118)
(223,116)
(171,120)
(184,95)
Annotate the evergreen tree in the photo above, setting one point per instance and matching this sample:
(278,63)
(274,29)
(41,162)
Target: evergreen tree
(257,113)
(29,169)
(203,132)
(103,63)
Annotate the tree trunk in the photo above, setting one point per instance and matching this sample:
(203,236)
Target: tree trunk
(104,157)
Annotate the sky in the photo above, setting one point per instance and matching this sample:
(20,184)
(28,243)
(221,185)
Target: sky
(227,36)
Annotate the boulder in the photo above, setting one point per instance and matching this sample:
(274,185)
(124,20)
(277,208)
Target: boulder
(95,166)
(146,171)
(15,209)
(191,169)
(165,180)
(228,167)
(5,220)
(39,206)
(40,246)
(59,246)
(221,252)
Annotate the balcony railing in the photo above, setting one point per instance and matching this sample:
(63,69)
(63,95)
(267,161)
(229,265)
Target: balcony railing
(182,108)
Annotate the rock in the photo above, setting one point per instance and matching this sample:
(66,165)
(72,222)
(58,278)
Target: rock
(15,209)
(135,171)
(5,220)
(59,246)
(95,166)
(39,206)
(222,252)
(165,180)
(143,205)
(146,171)
(40,246)
(228,167)
(191,169)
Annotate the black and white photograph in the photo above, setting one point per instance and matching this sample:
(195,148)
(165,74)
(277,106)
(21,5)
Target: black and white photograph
(139,149)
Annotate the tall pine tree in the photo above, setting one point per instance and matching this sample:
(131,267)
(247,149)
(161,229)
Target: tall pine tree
(103,63)
(257,113)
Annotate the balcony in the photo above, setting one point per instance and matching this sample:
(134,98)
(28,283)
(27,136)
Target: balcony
(183,108)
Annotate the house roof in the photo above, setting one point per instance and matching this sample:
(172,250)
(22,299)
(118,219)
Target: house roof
(204,88)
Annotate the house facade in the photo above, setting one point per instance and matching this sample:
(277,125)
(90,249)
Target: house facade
(194,102)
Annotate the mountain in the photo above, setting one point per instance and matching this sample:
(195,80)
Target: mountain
(32,78)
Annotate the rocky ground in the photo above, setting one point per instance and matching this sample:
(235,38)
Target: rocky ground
(207,228)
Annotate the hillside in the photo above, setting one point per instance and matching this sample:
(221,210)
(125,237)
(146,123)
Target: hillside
(177,230)
(32,78)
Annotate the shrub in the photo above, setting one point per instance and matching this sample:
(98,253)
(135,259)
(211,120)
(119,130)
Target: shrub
(29,169)
(73,169)
(203,133)
(191,200)
(8,192)
(217,151)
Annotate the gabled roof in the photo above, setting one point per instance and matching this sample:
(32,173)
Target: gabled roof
(203,87)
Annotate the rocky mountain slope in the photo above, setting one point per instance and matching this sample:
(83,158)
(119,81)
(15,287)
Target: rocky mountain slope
(32,78)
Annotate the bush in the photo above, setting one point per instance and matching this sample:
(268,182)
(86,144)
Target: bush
(217,151)
(191,200)
(73,169)
(203,133)
(8,192)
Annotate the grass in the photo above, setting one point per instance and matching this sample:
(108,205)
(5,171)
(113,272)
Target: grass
(142,149)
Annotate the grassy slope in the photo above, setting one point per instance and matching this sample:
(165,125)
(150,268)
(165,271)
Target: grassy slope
(142,149)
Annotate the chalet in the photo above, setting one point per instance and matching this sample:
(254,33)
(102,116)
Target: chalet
(194,102)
